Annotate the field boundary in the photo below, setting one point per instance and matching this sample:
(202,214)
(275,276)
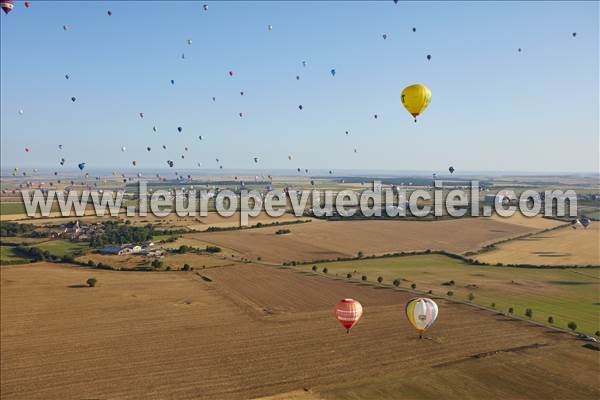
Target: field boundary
(434,296)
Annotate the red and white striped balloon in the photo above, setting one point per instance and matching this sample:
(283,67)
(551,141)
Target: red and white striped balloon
(348,312)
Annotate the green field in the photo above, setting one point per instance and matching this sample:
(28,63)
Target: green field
(62,247)
(8,256)
(565,294)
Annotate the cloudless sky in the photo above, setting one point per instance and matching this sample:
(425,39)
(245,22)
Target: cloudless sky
(492,109)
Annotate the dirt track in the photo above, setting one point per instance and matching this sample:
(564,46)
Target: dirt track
(259,331)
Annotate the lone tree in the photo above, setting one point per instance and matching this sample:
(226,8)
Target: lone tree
(471,297)
(360,254)
(413,286)
(494,305)
(529,312)
(572,326)
(380,279)
(511,310)
(348,275)
(450,293)
(186,267)
(314,268)
(91,282)
(550,320)
(396,282)
(325,270)
(364,278)
(597,333)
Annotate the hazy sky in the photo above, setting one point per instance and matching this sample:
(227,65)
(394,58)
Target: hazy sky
(492,108)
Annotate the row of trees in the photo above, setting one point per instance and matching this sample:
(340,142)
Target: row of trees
(528,311)
(15,229)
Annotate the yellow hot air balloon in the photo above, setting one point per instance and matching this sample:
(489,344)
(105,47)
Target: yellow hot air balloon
(416,98)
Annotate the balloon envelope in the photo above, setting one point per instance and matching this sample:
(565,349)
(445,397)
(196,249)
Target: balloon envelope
(421,312)
(416,98)
(348,313)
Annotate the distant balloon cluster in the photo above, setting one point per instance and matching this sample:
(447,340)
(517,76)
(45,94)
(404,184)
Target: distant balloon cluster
(415,98)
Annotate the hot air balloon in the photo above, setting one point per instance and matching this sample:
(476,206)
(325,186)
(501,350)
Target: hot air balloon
(242,93)
(269,27)
(21,112)
(123,148)
(65,27)
(205,7)
(7,6)
(347,132)
(164,147)
(230,73)
(148,148)
(429,57)
(585,221)
(416,98)
(451,169)
(214,98)
(199,164)
(189,41)
(256,159)
(414,29)
(290,157)
(60,146)
(183,56)
(304,63)
(241,115)
(332,72)
(172,81)
(348,313)
(375,116)
(109,13)
(67,76)
(297,77)
(27,149)
(185,148)
(141,115)
(134,163)
(300,107)
(73,99)
(26,4)
(421,313)
(81,166)
(200,137)
(384,36)
(519,49)
(171,163)
(179,129)
(154,129)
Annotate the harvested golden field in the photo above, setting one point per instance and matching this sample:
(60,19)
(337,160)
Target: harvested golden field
(538,222)
(563,246)
(250,332)
(318,240)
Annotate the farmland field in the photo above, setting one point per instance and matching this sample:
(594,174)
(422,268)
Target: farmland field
(253,331)
(563,246)
(565,294)
(320,240)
